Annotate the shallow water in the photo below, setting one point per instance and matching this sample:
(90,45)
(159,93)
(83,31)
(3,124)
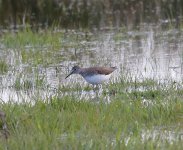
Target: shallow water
(150,52)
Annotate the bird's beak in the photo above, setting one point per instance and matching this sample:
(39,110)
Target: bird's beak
(69,74)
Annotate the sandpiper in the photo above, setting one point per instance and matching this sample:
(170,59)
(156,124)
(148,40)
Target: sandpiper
(93,75)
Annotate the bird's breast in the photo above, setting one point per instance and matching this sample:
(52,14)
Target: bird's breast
(97,79)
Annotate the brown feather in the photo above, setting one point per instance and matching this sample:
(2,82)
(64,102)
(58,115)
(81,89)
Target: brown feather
(97,70)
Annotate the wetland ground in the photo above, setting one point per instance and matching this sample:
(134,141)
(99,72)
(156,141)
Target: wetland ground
(140,108)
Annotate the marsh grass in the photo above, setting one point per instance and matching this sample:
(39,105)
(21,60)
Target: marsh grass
(70,123)
(35,48)
(3,67)
(76,87)
(67,122)
(42,48)
(27,38)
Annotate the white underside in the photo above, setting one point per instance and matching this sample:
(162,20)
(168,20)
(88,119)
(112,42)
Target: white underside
(97,79)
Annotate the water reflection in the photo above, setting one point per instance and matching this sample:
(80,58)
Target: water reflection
(147,53)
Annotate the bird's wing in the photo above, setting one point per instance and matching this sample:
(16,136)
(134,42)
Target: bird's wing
(101,70)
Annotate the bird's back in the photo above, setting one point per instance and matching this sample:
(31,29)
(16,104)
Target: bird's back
(98,70)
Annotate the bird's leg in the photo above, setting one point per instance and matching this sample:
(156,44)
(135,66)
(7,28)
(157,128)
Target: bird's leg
(96,90)
(94,87)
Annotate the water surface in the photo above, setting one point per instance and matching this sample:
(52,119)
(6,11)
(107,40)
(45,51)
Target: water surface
(148,53)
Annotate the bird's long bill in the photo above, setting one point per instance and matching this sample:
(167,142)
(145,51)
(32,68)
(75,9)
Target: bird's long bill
(69,75)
